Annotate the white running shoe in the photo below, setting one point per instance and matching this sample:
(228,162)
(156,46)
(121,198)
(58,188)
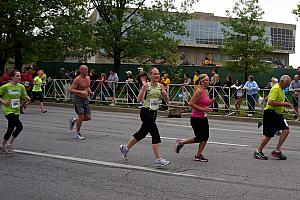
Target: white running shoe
(8,149)
(124,151)
(161,162)
(79,136)
(72,123)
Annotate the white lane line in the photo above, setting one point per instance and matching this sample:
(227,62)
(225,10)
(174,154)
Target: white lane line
(209,142)
(117,165)
(220,129)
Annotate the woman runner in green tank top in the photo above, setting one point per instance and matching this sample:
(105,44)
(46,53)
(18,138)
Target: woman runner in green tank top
(150,96)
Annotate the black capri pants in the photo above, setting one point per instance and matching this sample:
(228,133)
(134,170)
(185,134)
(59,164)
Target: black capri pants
(14,127)
(148,118)
(201,129)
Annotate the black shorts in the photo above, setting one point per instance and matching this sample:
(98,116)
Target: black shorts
(37,95)
(273,122)
(201,129)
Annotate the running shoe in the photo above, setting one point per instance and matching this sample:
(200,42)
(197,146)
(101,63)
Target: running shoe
(278,154)
(72,123)
(179,145)
(8,149)
(161,162)
(259,124)
(124,151)
(259,155)
(200,158)
(79,136)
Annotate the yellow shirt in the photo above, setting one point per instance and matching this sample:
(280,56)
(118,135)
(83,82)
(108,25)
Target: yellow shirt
(196,77)
(276,94)
(166,82)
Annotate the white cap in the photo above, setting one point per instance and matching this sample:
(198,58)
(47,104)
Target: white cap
(128,72)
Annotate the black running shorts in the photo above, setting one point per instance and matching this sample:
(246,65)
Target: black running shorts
(201,129)
(273,122)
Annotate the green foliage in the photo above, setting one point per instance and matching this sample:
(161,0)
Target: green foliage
(134,30)
(296,11)
(47,30)
(246,43)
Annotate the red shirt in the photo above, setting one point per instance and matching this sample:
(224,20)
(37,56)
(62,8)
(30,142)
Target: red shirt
(5,78)
(26,80)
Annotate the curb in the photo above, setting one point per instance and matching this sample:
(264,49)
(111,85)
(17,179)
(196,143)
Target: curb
(166,114)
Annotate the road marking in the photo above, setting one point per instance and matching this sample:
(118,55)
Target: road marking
(117,165)
(209,142)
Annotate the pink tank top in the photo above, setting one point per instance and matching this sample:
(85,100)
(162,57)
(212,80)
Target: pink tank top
(202,102)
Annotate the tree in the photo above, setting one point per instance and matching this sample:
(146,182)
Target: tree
(134,30)
(296,11)
(33,29)
(246,42)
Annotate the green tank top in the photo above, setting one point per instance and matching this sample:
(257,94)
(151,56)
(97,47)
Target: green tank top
(152,97)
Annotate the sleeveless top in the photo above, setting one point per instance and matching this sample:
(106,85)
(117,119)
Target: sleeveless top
(152,97)
(202,102)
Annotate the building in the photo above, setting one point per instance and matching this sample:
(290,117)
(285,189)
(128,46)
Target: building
(202,45)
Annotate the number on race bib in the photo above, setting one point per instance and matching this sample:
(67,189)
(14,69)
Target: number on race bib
(15,103)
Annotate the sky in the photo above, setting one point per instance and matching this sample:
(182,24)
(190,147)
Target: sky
(274,11)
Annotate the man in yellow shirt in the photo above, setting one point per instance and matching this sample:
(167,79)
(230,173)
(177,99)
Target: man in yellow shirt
(273,120)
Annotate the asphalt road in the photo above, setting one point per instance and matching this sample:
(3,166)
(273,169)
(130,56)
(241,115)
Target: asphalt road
(50,164)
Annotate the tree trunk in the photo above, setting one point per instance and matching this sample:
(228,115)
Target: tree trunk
(117,60)
(18,56)
(3,60)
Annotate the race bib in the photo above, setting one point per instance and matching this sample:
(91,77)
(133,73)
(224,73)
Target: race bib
(15,103)
(154,104)
(205,114)
(26,83)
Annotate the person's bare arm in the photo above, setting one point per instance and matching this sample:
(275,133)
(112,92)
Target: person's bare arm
(143,90)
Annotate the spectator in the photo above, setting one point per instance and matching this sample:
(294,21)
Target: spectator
(214,92)
(294,89)
(130,87)
(251,88)
(227,85)
(6,76)
(196,77)
(166,83)
(102,86)
(113,80)
(238,94)
(93,78)
(63,74)
(272,83)
(186,82)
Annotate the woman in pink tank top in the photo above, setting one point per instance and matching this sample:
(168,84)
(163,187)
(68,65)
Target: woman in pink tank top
(200,103)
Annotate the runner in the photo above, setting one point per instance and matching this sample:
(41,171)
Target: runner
(149,95)
(200,103)
(26,80)
(37,92)
(81,90)
(273,120)
(11,93)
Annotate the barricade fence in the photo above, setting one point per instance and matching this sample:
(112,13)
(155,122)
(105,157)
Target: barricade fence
(179,95)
